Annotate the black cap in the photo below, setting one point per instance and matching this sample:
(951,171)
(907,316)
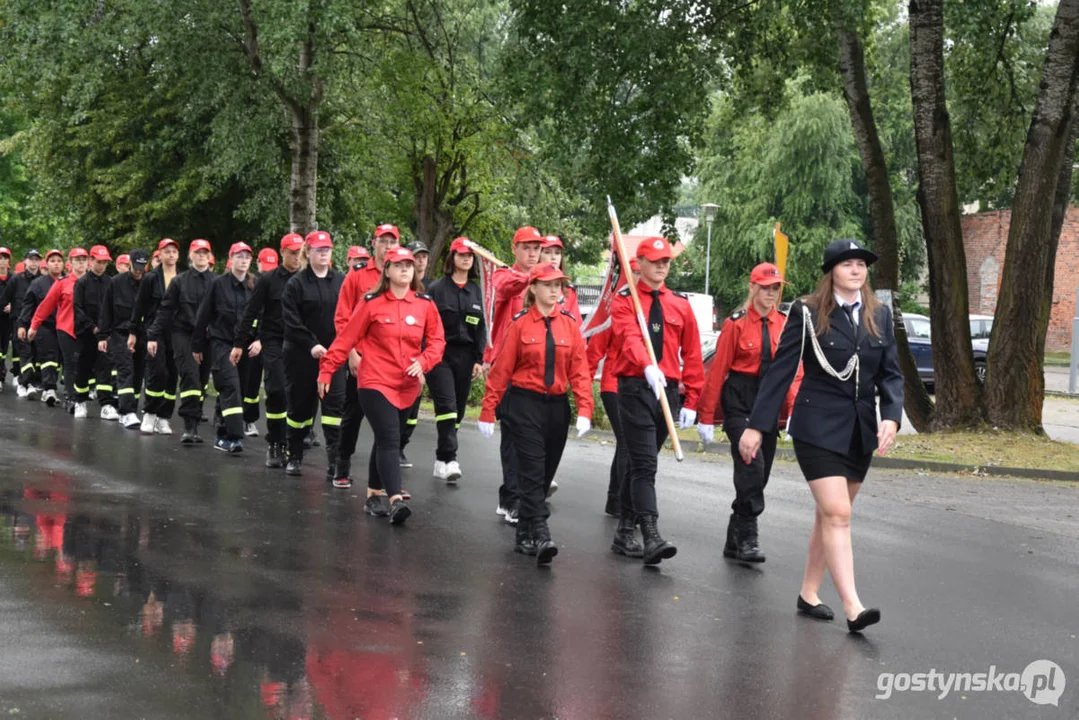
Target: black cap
(417,246)
(846,249)
(139,257)
(31,253)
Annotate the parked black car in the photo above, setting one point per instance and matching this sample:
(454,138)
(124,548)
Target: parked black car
(919,336)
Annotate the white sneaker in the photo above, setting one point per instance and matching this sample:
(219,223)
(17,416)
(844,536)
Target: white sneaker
(162,427)
(453,471)
(440,470)
(49,398)
(32,393)
(20,390)
(553,489)
(93,394)
(250,430)
(80,410)
(108,412)
(130,421)
(149,421)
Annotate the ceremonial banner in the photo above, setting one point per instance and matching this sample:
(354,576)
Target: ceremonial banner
(488,263)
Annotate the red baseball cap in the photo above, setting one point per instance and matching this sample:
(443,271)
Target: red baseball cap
(52,252)
(634,265)
(552,241)
(123,259)
(400,254)
(199,244)
(157,253)
(319,239)
(461,245)
(527,234)
(166,242)
(100,252)
(77,253)
(544,272)
(654,248)
(767,274)
(358,252)
(239,247)
(268,256)
(387,229)
(292,241)
(5,251)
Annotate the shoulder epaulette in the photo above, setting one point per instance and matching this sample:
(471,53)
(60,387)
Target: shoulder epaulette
(370,296)
(680,294)
(738,314)
(425,296)
(571,286)
(624,291)
(519,315)
(567,314)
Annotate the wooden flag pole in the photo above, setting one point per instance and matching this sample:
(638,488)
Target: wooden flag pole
(485,254)
(623,259)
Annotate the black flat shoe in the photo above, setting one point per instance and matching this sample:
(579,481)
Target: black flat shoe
(865,618)
(820,611)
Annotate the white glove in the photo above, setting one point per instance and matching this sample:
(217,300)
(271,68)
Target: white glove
(707,432)
(487,429)
(655,378)
(583,426)
(686,418)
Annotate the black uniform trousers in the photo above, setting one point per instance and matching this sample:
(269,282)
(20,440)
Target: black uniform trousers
(251,386)
(620,461)
(69,356)
(128,368)
(161,380)
(737,398)
(386,419)
(645,431)
(273,379)
(93,365)
(229,389)
(193,379)
(29,372)
(412,419)
(301,390)
(351,419)
(449,383)
(47,348)
(507,491)
(5,338)
(540,426)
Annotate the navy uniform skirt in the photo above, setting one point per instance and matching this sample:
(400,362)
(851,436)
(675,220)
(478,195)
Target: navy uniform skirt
(817,462)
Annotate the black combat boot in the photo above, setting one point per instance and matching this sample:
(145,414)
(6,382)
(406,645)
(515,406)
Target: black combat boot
(545,547)
(523,542)
(745,537)
(625,537)
(656,548)
(275,455)
(730,547)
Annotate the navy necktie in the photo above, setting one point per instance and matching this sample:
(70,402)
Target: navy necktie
(655,325)
(548,358)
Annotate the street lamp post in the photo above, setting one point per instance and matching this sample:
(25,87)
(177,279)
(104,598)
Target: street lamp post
(709,210)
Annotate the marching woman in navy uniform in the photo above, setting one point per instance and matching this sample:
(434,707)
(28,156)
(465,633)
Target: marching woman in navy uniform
(542,356)
(845,339)
(743,355)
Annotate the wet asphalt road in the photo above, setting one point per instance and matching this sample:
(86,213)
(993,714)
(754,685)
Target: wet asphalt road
(142,579)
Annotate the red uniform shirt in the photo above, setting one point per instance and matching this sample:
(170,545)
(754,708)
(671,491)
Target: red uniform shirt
(357,284)
(680,337)
(522,361)
(509,284)
(61,298)
(601,345)
(389,332)
(739,350)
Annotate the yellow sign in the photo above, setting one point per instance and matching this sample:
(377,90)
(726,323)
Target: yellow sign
(781,242)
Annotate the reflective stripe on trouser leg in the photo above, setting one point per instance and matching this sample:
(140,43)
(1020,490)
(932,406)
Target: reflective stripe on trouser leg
(190,375)
(273,381)
(251,387)
(301,396)
(441,386)
(227,381)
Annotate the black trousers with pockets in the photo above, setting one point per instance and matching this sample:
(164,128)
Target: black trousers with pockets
(645,431)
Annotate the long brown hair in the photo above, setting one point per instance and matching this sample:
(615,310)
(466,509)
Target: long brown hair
(384,280)
(822,302)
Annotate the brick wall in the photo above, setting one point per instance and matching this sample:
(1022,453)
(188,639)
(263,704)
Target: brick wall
(985,236)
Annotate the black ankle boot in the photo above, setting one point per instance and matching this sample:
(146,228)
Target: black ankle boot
(545,546)
(656,548)
(275,455)
(749,550)
(295,464)
(523,541)
(625,537)
(730,547)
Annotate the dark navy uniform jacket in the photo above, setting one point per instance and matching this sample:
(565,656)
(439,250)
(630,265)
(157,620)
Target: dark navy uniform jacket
(827,410)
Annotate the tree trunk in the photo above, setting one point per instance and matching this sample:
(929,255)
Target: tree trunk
(957,389)
(1016,386)
(434,224)
(303,186)
(916,400)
